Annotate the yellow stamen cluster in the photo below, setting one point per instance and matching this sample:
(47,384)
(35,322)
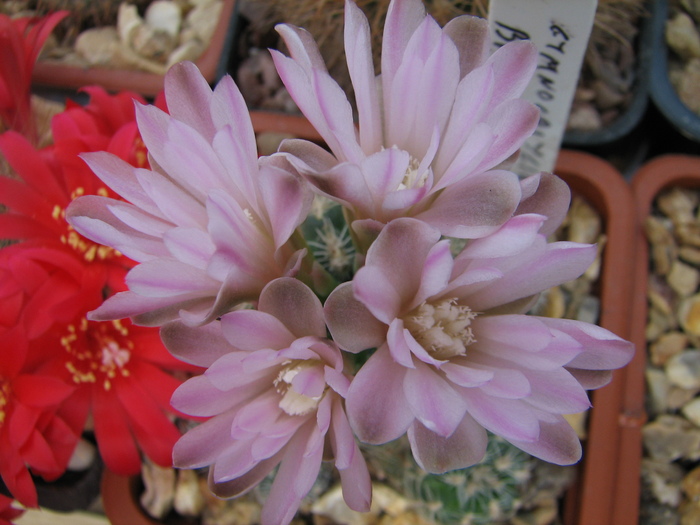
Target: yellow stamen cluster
(98,352)
(442,328)
(4,400)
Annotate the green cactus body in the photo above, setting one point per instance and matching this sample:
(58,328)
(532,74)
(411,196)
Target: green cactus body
(328,237)
(489,492)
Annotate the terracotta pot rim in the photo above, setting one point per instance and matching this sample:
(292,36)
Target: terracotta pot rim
(609,491)
(662,172)
(119,502)
(212,65)
(279,122)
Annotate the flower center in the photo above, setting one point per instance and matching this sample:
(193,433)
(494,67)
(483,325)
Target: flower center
(292,402)
(97,352)
(412,178)
(442,328)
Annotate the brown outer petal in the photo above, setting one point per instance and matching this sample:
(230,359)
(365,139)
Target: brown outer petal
(551,199)
(242,484)
(293,303)
(351,324)
(471,36)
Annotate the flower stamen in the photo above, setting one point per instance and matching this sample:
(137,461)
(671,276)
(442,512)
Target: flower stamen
(4,400)
(442,328)
(292,402)
(97,352)
(413,179)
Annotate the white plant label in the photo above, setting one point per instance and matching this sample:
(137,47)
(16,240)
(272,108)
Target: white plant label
(560,29)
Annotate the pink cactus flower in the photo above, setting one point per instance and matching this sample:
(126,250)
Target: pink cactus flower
(209,223)
(433,128)
(273,389)
(455,354)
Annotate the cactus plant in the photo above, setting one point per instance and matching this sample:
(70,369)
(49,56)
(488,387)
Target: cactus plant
(487,493)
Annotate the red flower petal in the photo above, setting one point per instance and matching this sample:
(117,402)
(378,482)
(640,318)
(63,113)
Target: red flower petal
(23,158)
(154,431)
(15,474)
(7,511)
(40,391)
(114,438)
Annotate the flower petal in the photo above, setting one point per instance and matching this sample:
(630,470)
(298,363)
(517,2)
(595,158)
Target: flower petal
(512,122)
(557,391)
(511,419)
(399,253)
(475,207)
(250,330)
(188,96)
(359,58)
(120,176)
(559,263)
(293,481)
(557,443)
(436,273)
(288,199)
(398,347)
(436,454)
(514,64)
(244,483)
(229,111)
(374,290)
(376,405)
(200,346)
(432,400)
(198,397)
(92,217)
(551,199)
(514,237)
(471,36)
(295,305)
(353,327)
(602,349)
(402,20)
(168,278)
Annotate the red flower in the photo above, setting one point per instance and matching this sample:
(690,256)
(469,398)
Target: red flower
(38,283)
(106,123)
(115,371)
(7,511)
(35,284)
(36,203)
(32,432)
(21,41)
(52,177)
(121,375)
